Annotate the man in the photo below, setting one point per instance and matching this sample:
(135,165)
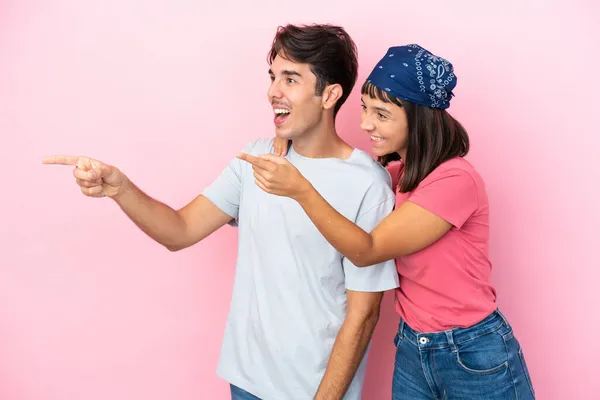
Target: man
(301,315)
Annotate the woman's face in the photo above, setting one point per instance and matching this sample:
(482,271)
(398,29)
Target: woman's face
(387,126)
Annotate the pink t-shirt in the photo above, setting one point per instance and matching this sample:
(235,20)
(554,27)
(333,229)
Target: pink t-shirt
(447,284)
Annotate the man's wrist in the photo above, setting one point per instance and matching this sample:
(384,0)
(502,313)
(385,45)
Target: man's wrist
(123,191)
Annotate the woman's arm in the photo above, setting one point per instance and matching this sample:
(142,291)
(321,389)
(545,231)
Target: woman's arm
(406,230)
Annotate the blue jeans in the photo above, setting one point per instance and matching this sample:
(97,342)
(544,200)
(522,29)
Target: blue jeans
(481,362)
(241,394)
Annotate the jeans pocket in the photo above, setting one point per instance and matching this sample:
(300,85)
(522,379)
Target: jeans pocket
(526,371)
(484,355)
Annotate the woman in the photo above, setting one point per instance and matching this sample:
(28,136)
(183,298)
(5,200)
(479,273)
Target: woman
(452,341)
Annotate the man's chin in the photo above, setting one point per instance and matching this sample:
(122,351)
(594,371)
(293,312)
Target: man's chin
(284,134)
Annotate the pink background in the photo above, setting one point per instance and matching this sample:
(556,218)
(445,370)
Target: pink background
(169,90)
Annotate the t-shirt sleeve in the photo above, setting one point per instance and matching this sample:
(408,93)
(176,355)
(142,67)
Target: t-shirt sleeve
(450,194)
(379,277)
(226,190)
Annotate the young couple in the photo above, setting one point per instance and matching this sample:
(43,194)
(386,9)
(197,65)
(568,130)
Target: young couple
(324,231)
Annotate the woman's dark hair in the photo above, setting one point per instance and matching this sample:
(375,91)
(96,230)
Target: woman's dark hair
(328,49)
(434,136)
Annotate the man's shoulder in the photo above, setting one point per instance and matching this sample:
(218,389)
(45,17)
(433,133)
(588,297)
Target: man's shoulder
(373,183)
(369,169)
(259,146)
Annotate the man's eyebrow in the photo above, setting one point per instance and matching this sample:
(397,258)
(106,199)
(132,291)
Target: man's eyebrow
(290,72)
(287,72)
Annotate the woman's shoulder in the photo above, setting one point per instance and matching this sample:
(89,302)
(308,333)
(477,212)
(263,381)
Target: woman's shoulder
(458,169)
(456,174)
(457,165)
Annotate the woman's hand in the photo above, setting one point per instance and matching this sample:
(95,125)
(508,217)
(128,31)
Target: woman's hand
(280,146)
(277,176)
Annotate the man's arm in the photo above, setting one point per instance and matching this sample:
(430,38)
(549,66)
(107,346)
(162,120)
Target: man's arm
(350,344)
(174,229)
(364,291)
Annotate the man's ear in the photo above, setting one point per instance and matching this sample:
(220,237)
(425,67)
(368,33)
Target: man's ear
(331,95)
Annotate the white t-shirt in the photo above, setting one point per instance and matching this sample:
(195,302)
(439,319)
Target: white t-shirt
(289,295)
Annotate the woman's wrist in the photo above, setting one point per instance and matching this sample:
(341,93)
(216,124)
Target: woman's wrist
(305,193)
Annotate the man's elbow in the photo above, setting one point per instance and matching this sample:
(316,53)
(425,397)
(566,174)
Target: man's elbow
(182,240)
(365,318)
(173,248)
(373,316)
(178,246)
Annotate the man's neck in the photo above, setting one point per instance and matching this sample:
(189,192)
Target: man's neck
(323,142)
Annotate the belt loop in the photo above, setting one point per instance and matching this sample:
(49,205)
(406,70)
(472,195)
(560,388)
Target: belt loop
(450,337)
(401,328)
(503,318)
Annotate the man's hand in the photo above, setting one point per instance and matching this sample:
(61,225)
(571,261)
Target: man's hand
(95,178)
(174,229)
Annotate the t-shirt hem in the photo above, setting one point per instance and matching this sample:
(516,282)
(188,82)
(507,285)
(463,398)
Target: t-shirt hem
(427,326)
(371,289)
(247,386)
(231,211)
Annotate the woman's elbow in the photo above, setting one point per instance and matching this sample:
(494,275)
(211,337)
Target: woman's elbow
(369,258)
(363,254)
(361,261)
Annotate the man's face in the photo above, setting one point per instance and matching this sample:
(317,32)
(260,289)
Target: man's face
(297,108)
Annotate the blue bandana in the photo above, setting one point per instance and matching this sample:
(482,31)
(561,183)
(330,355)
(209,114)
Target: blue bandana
(414,74)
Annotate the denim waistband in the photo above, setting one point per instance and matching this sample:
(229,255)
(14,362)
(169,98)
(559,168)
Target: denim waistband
(451,337)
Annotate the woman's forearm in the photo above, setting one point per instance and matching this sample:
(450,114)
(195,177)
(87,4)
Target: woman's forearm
(349,239)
